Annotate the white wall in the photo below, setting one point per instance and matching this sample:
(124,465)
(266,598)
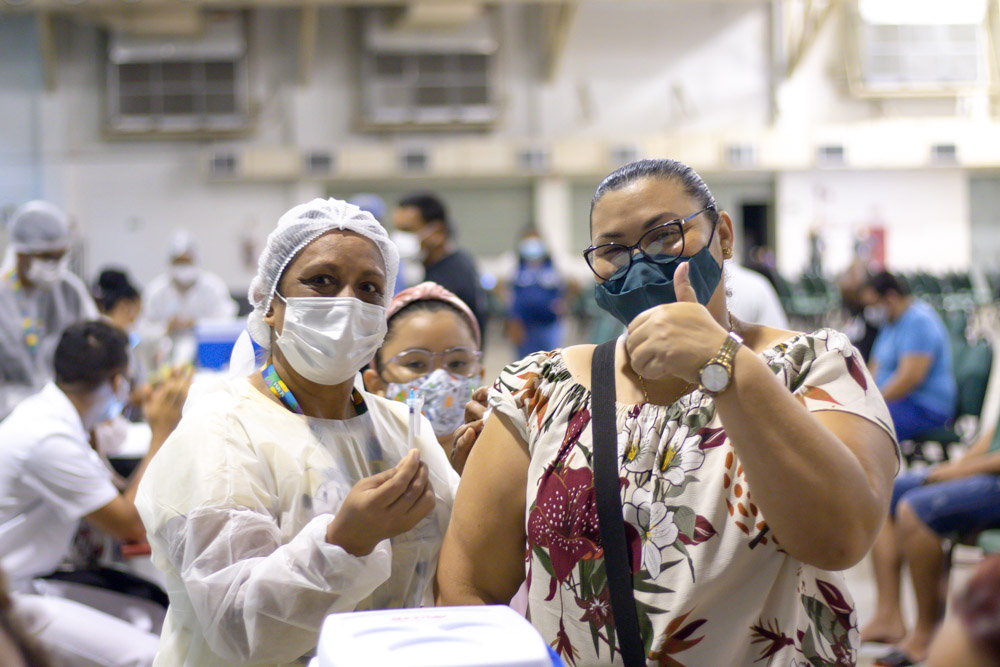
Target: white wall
(627,70)
(984,214)
(925,215)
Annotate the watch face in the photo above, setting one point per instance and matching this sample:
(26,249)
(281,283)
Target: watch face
(714,377)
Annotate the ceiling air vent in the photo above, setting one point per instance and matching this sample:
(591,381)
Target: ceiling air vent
(623,154)
(830,155)
(533,159)
(223,164)
(944,154)
(414,159)
(319,163)
(740,156)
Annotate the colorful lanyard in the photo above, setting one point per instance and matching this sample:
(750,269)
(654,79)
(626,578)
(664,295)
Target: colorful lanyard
(32,326)
(280,389)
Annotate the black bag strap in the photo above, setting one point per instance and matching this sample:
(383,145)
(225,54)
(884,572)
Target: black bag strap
(609,505)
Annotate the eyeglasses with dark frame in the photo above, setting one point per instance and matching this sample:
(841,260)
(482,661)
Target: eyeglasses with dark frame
(659,244)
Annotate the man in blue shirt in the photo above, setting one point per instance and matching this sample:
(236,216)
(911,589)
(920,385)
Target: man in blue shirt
(911,357)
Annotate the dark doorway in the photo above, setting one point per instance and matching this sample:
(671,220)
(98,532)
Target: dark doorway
(756,231)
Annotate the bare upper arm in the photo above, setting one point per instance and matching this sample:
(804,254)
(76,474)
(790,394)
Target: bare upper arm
(871,446)
(120,519)
(482,558)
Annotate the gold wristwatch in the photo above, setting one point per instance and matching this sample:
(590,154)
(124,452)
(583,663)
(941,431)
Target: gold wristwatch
(718,371)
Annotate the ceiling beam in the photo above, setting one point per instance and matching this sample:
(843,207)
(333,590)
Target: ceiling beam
(47,49)
(556,22)
(308,29)
(802,35)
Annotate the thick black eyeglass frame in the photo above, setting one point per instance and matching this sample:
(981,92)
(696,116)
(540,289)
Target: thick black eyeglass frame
(588,254)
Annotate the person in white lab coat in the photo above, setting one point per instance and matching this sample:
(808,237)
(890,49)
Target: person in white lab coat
(288,492)
(39,298)
(51,478)
(176,300)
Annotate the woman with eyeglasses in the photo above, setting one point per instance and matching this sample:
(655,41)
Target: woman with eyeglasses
(754,463)
(431,351)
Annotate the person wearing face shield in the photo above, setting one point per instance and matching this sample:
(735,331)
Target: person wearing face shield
(51,478)
(746,464)
(39,298)
(186,293)
(431,351)
(288,492)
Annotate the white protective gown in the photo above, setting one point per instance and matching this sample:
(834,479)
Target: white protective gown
(23,371)
(236,505)
(207,298)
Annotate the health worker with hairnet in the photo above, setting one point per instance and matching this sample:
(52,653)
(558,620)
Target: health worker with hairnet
(39,298)
(186,293)
(290,493)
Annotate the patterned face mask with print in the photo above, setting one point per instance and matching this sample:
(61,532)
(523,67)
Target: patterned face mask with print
(445,395)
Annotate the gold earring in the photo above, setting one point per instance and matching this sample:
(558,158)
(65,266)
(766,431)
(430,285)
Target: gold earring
(727,253)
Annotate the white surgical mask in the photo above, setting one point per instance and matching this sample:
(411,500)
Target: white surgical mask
(184,274)
(408,245)
(46,272)
(445,395)
(108,404)
(329,339)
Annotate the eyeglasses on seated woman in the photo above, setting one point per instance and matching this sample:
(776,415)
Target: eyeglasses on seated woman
(751,463)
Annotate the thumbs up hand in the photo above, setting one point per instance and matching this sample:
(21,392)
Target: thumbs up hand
(676,338)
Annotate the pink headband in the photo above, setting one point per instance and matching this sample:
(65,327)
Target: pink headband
(429,291)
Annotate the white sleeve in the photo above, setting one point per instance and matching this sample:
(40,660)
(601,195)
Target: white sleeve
(69,476)
(770,311)
(224,305)
(256,600)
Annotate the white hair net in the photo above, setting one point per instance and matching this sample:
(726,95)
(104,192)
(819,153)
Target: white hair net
(182,243)
(298,228)
(39,226)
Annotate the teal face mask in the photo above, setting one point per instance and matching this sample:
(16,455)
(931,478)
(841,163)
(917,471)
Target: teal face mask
(634,289)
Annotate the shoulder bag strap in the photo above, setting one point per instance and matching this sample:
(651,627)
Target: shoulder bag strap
(609,505)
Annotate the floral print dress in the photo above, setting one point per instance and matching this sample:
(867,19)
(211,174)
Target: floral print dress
(713,586)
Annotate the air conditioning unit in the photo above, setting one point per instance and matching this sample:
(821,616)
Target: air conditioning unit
(440,76)
(179,85)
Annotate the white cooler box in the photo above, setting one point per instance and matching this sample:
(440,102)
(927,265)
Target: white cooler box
(482,636)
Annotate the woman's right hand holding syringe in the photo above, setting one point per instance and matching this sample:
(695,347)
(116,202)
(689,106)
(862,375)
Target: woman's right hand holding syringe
(383,506)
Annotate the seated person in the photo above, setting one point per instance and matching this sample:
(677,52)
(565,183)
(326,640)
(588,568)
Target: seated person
(176,300)
(911,358)
(51,477)
(431,346)
(39,298)
(960,497)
